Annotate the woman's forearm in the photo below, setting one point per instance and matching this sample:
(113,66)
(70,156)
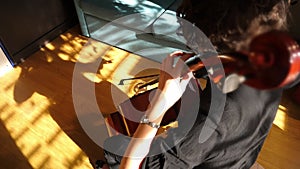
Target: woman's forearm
(139,146)
(171,86)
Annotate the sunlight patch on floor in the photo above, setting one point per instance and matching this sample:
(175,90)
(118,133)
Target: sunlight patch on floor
(280,118)
(35,133)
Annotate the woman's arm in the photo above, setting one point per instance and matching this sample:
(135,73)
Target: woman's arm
(172,84)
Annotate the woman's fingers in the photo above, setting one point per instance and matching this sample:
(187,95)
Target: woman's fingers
(169,61)
(172,82)
(181,69)
(185,80)
(174,68)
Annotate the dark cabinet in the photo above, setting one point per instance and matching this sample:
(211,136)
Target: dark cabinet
(27,25)
(294,21)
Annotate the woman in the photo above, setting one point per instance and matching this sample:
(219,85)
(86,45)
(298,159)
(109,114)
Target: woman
(247,115)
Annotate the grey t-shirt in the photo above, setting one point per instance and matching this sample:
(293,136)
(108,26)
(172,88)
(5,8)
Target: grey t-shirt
(246,118)
(236,141)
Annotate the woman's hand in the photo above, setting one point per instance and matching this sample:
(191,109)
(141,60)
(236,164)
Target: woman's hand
(173,79)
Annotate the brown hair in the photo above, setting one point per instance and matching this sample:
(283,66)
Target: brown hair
(231,24)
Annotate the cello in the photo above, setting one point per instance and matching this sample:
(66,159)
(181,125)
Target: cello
(272,61)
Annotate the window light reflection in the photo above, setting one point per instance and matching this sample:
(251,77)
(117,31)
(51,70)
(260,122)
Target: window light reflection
(92,77)
(50,46)
(280,118)
(64,56)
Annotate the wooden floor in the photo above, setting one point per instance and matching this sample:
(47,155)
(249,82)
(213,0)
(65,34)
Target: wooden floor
(43,112)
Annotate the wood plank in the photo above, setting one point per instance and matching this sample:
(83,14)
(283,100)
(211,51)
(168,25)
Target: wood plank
(41,127)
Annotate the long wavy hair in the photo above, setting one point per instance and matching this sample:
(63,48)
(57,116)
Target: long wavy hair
(231,24)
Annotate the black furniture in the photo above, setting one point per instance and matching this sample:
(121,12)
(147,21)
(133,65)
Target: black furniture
(28,25)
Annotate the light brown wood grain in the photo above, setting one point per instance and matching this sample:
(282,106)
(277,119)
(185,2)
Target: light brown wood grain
(39,127)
